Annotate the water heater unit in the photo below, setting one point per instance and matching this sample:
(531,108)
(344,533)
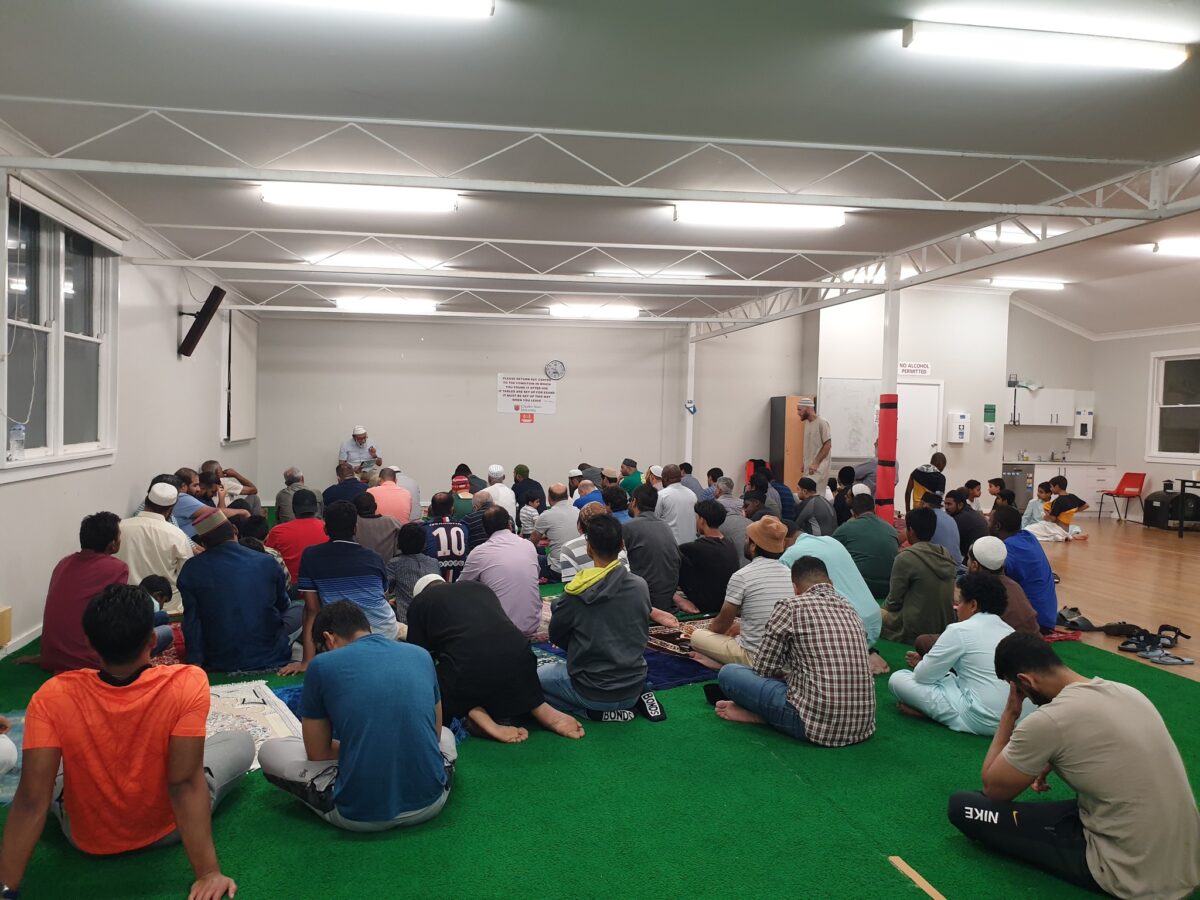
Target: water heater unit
(958,428)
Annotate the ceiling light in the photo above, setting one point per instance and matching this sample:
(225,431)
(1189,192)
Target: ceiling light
(369,261)
(453,9)
(633,273)
(359,196)
(1012,235)
(1041,47)
(387,306)
(1028,284)
(759,215)
(69,288)
(1188,246)
(593,311)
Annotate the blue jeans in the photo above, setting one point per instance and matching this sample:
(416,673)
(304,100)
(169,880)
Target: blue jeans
(765,696)
(561,694)
(164,637)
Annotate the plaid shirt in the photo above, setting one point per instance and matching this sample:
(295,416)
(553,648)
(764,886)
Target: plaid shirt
(818,642)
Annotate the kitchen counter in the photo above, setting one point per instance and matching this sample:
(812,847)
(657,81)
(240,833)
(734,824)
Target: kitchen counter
(1054,462)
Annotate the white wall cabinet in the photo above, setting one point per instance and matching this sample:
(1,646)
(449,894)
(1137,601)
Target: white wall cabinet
(1047,406)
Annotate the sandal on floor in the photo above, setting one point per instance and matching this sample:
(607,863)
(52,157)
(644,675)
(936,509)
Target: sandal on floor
(1169,635)
(1153,653)
(1057,580)
(1121,629)
(1170,659)
(1139,641)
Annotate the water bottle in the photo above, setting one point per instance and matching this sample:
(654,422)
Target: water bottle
(16,441)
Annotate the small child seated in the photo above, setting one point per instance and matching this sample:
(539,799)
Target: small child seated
(1006,498)
(529,514)
(974,491)
(1035,511)
(159,589)
(1059,511)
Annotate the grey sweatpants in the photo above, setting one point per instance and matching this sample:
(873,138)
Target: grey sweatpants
(287,766)
(227,757)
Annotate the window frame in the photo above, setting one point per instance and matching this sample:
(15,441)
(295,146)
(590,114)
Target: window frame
(1158,360)
(58,457)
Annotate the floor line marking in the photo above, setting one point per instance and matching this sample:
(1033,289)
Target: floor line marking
(916,877)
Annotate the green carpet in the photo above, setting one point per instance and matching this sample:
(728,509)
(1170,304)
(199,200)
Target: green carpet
(692,806)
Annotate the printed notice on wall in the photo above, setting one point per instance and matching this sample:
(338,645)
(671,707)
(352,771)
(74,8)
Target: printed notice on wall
(918,369)
(525,394)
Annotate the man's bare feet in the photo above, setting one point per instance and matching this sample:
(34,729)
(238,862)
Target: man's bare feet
(705,661)
(909,711)
(557,721)
(686,605)
(731,712)
(480,723)
(34,660)
(1079,537)
(662,617)
(879,665)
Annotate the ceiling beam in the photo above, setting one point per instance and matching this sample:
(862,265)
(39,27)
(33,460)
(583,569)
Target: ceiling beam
(664,295)
(486,185)
(640,322)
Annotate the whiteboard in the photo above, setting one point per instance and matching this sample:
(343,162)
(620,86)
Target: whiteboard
(851,406)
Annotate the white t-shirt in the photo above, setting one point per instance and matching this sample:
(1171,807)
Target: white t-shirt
(502,495)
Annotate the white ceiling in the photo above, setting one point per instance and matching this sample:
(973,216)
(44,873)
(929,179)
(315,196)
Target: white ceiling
(803,71)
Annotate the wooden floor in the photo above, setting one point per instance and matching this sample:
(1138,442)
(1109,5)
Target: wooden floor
(1125,571)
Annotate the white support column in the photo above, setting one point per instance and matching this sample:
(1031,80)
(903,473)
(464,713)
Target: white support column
(689,420)
(891,328)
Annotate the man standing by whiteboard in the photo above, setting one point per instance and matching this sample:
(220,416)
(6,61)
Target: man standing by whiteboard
(818,441)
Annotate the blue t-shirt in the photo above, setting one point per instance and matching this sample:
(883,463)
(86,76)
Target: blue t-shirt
(448,542)
(344,570)
(593,497)
(946,535)
(186,508)
(1028,566)
(379,697)
(344,490)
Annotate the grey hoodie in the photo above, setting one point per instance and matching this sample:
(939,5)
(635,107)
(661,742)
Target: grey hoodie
(604,631)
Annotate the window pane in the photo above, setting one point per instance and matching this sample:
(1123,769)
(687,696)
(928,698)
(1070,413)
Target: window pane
(1181,381)
(78,296)
(27,383)
(23,225)
(1179,429)
(81,392)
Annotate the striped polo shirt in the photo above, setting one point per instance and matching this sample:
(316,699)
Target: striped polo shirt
(345,570)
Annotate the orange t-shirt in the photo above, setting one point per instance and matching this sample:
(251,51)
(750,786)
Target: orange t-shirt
(114,746)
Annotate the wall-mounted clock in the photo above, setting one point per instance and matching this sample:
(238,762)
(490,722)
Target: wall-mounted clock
(555,369)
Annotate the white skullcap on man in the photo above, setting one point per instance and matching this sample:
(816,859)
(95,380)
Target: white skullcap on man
(859,488)
(496,470)
(358,431)
(990,552)
(425,581)
(163,495)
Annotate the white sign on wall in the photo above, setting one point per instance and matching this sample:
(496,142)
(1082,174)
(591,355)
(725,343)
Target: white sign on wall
(918,369)
(525,394)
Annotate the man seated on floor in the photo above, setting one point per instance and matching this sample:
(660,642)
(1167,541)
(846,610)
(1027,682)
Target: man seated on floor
(734,635)
(788,502)
(1056,521)
(811,678)
(151,545)
(347,487)
(1133,829)
(237,486)
(954,682)
(525,487)
(653,551)
(237,616)
(588,493)
(342,569)
(760,481)
(392,499)
(445,539)
(871,542)
(972,525)
(814,513)
(508,564)
(555,525)
(293,480)
(74,582)
(725,494)
(617,502)
(463,497)
(120,756)
(945,534)
(754,505)
(601,621)
(690,481)
(707,563)
(291,539)
(392,762)
(409,566)
(376,532)
(1035,510)
(924,478)
(988,555)
(486,671)
(574,557)
(473,521)
(676,505)
(1027,565)
(846,579)
(921,596)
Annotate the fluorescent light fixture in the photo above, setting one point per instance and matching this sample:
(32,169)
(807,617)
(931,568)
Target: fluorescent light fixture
(1028,284)
(1012,235)
(1187,246)
(369,261)
(445,9)
(69,288)
(634,274)
(758,215)
(593,311)
(14,244)
(1017,45)
(359,197)
(17,285)
(387,306)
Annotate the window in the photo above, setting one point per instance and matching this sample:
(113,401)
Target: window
(1174,433)
(57,365)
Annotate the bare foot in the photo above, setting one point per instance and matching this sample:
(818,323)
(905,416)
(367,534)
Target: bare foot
(686,605)
(879,665)
(479,722)
(1079,537)
(731,712)
(557,721)
(909,711)
(705,661)
(34,660)
(662,617)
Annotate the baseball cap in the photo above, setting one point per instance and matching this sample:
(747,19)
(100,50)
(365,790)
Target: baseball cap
(460,482)
(768,533)
(358,431)
(990,553)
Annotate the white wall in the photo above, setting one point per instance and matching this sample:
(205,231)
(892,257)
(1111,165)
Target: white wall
(962,333)
(736,376)
(167,418)
(427,396)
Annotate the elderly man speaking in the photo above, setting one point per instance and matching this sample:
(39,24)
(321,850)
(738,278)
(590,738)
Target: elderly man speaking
(359,452)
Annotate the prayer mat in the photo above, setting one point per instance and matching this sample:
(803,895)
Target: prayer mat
(543,632)
(10,779)
(676,640)
(252,707)
(663,670)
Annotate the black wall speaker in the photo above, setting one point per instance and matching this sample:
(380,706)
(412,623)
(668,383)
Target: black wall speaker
(201,321)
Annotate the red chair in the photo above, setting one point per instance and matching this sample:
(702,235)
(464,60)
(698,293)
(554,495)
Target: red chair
(1130,487)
